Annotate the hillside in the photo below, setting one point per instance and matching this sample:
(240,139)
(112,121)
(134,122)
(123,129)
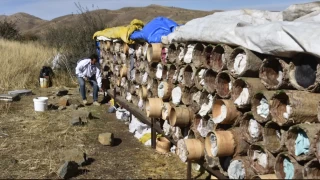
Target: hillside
(24,21)
(31,24)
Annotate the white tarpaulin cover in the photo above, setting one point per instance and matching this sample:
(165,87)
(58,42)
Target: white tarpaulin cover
(276,33)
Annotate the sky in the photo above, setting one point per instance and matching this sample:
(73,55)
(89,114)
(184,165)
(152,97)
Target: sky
(49,9)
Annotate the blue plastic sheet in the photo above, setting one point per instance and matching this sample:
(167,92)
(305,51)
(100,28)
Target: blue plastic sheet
(288,168)
(302,144)
(154,30)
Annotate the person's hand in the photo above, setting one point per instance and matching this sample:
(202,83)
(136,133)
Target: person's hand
(85,78)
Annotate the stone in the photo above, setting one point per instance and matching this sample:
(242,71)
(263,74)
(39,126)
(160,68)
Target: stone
(75,106)
(111,109)
(83,114)
(76,121)
(106,139)
(62,92)
(68,170)
(61,108)
(75,155)
(64,101)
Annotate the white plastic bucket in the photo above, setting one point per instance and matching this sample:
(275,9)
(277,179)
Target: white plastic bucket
(44,83)
(40,104)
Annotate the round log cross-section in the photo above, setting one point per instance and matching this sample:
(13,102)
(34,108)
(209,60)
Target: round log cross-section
(154,52)
(312,170)
(209,80)
(224,83)
(189,75)
(220,57)
(301,140)
(262,160)
(224,112)
(274,74)
(293,107)
(284,164)
(243,89)
(274,137)
(244,63)
(303,72)
(260,106)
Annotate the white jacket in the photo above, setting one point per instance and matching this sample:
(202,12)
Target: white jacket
(86,69)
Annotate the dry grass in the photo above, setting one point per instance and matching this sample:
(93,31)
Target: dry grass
(36,142)
(21,63)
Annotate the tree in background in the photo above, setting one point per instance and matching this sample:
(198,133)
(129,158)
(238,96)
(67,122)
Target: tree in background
(75,41)
(8,30)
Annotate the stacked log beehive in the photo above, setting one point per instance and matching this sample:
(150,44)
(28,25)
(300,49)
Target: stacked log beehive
(241,111)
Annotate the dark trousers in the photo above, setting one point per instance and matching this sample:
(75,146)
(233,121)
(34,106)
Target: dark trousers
(93,83)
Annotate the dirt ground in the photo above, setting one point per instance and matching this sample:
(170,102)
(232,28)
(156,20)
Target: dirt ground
(36,142)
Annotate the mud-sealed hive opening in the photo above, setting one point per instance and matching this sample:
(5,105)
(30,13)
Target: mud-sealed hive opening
(223,84)
(305,70)
(188,75)
(261,160)
(224,163)
(173,52)
(301,141)
(286,167)
(164,72)
(318,146)
(187,95)
(238,61)
(208,55)
(204,98)
(199,78)
(173,73)
(217,58)
(137,76)
(153,84)
(152,69)
(260,107)
(253,130)
(219,111)
(198,54)
(312,170)
(209,80)
(181,50)
(240,93)
(280,108)
(272,136)
(271,72)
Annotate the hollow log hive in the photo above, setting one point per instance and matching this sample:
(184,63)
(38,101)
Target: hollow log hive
(242,112)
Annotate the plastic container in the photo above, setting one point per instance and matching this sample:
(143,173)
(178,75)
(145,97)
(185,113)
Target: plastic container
(44,83)
(40,104)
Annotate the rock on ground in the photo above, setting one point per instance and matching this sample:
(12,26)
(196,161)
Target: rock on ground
(64,101)
(68,170)
(75,155)
(62,92)
(106,139)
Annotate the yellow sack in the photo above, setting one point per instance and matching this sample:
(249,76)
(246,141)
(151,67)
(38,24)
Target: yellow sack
(121,32)
(146,137)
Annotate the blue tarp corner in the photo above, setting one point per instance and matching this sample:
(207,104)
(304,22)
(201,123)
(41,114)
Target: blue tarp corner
(154,30)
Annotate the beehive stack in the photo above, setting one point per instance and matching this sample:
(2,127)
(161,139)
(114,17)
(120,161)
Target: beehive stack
(244,113)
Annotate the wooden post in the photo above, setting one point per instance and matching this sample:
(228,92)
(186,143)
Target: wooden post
(189,170)
(153,134)
(114,94)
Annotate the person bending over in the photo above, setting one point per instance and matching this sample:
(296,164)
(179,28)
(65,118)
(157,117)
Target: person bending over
(87,71)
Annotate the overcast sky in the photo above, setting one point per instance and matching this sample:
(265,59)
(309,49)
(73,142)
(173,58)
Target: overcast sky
(49,9)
